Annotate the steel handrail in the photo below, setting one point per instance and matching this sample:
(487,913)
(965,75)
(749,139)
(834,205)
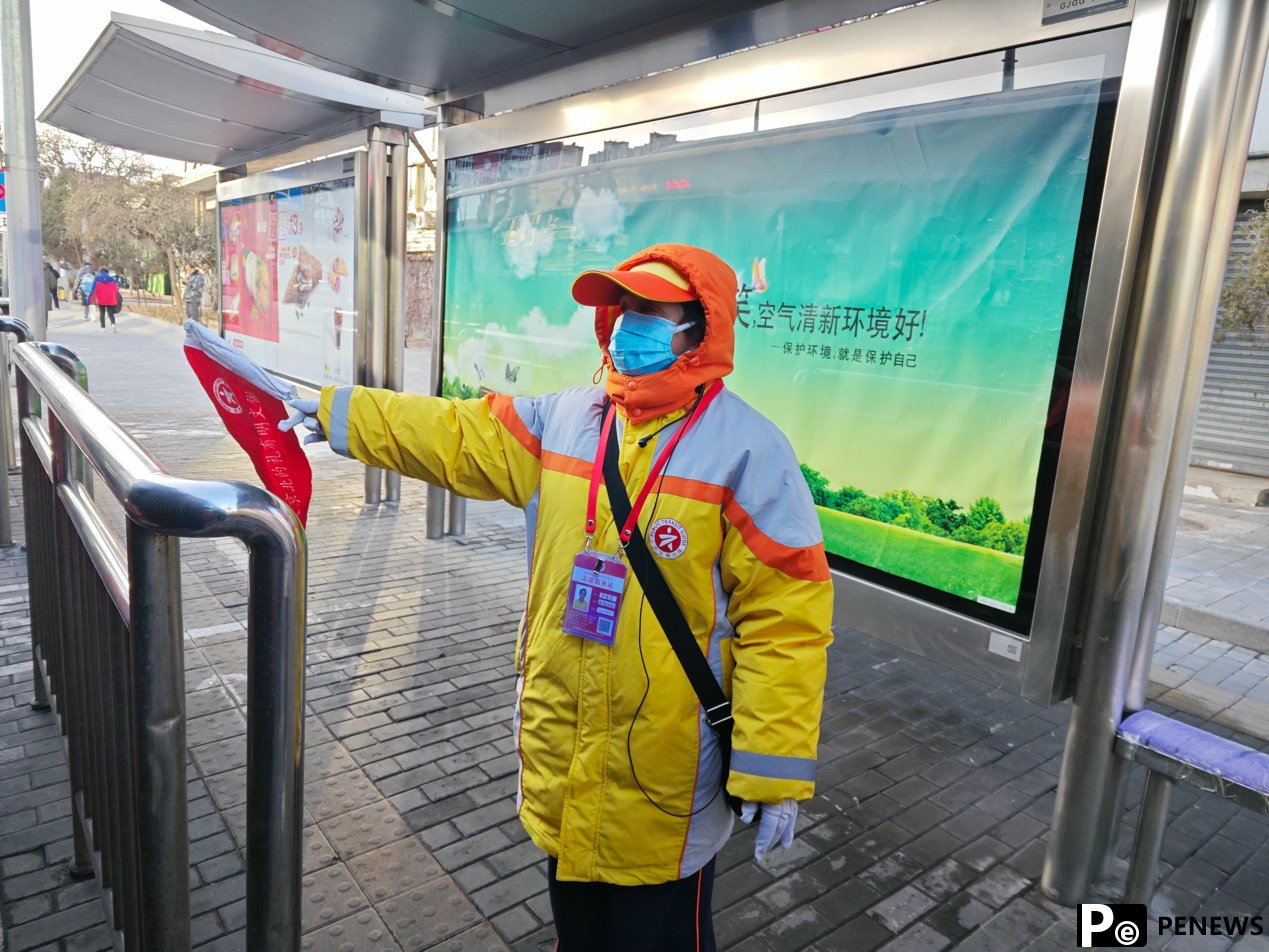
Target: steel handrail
(20,330)
(165,505)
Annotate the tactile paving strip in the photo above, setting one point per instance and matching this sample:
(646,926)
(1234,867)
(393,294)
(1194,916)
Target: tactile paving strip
(396,868)
(326,760)
(364,930)
(318,853)
(207,701)
(480,939)
(210,727)
(366,829)
(339,794)
(228,789)
(330,895)
(221,755)
(433,912)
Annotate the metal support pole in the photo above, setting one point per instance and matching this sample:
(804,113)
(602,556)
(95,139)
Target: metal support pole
(1166,300)
(158,683)
(372,325)
(1149,842)
(1108,831)
(1226,213)
(457,516)
(456,505)
(275,740)
(435,512)
(435,494)
(395,324)
(28,298)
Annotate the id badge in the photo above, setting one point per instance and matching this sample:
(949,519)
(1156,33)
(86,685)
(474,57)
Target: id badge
(594,596)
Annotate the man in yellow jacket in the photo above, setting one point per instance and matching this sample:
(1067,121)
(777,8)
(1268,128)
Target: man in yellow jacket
(620,772)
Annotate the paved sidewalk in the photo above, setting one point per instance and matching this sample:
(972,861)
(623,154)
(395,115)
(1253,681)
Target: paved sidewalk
(928,831)
(1220,563)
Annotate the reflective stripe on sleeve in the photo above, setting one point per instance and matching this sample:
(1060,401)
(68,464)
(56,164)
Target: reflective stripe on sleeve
(338,434)
(773,766)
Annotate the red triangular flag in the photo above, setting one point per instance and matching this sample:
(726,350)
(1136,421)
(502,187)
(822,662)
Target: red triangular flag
(249,401)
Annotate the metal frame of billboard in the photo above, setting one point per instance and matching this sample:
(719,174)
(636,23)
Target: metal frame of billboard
(313,173)
(1038,667)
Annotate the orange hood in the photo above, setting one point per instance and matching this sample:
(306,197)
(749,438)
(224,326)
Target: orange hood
(655,394)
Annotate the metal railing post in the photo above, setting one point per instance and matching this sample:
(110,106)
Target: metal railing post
(275,744)
(69,703)
(116,663)
(73,367)
(39,695)
(158,684)
(8,325)
(10,459)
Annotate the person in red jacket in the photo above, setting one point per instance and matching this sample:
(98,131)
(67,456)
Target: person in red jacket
(105,294)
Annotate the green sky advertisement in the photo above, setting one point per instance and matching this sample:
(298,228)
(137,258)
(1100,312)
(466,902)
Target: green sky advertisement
(904,279)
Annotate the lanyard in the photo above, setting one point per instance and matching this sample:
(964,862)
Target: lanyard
(597,471)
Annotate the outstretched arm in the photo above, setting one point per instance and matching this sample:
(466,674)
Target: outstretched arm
(483,447)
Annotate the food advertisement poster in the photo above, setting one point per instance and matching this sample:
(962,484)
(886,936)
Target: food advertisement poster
(904,280)
(287,279)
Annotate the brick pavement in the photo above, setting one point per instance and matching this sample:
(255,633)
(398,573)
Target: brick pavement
(928,832)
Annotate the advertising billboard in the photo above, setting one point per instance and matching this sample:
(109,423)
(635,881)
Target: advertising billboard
(288,294)
(907,309)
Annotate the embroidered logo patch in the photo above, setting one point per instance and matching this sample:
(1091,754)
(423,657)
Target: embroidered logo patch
(668,538)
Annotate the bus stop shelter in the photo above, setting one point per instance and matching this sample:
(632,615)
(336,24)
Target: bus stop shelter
(543,111)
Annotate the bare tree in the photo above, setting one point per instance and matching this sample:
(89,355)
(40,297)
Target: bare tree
(1245,297)
(142,225)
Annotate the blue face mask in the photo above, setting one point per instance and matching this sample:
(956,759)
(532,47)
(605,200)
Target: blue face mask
(640,343)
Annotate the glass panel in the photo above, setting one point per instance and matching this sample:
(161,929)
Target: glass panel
(287,279)
(910,250)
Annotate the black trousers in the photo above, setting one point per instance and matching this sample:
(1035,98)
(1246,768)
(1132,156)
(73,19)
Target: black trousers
(676,916)
(104,311)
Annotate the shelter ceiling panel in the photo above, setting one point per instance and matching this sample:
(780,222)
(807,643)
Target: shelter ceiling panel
(204,89)
(407,43)
(148,141)
(575,23)
(437,47)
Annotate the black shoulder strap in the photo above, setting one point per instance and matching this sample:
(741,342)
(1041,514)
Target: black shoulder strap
(717,707)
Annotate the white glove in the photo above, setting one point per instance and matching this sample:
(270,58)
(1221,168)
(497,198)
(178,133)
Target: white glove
(305,411)
(775,824)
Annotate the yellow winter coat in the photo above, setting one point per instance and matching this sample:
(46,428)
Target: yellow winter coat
(619,775)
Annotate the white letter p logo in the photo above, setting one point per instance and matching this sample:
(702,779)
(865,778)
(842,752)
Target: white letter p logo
(1094,917)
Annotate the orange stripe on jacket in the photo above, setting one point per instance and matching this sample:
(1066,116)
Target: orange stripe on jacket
(693,489)
(569,465)
(806,563)
(503,408)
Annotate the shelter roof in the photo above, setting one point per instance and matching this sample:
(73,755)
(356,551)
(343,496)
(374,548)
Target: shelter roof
(493,55)
(202,96)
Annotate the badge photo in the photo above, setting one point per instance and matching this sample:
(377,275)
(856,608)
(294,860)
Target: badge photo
(668,538)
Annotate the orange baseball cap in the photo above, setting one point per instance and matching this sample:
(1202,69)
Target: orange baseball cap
(651,280)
